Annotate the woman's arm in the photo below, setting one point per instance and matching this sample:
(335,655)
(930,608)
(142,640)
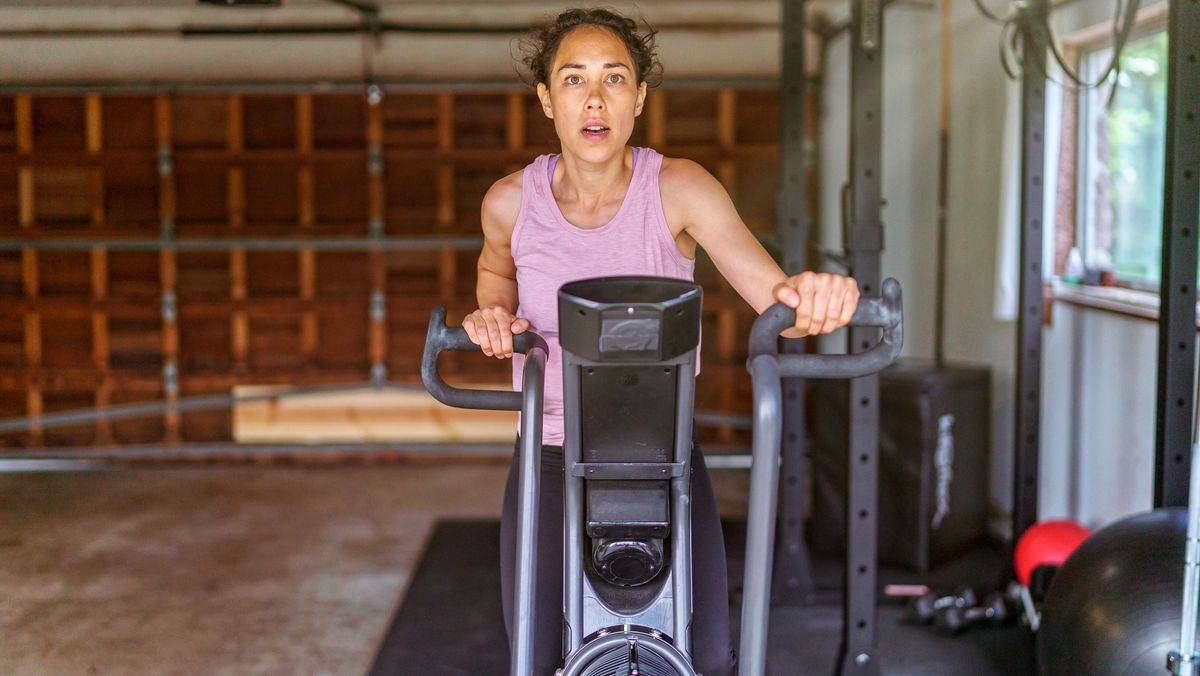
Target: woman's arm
(494,323)
(823,302)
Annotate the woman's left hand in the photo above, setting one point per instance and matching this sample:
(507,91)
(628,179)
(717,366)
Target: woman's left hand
(824,302)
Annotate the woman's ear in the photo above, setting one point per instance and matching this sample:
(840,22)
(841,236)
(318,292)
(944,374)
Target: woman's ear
(641,99)
(543,93)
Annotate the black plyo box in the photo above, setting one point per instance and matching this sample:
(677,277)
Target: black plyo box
(934,449)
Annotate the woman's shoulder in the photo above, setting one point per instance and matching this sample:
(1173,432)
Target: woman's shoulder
(502,202)
(685,179)
(682,172)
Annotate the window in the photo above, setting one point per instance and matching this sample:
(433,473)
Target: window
(1121,142)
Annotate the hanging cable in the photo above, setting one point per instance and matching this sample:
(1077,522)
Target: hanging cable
(370,31)
(1028,21)
(990,15)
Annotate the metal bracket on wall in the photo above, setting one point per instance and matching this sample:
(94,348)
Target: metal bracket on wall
(375,160)
(169,311)
(166,161)
(170,379)
(378,306)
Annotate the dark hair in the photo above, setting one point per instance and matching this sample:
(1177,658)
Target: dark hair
(540,45)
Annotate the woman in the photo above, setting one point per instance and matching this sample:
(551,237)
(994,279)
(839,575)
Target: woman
(601,208)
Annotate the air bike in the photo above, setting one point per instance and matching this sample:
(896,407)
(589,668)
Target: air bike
(629,364)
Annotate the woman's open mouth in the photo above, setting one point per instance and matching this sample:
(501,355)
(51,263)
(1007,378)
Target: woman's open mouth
(595,132)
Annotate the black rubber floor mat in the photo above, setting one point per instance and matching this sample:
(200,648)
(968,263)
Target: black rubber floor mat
(450,621)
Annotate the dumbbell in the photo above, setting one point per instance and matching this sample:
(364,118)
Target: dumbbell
(1022,604)
(924,608)
(954,619)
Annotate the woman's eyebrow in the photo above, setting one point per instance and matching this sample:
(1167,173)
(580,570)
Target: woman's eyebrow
(580,66)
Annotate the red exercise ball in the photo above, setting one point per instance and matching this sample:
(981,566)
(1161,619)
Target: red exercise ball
(1048,543)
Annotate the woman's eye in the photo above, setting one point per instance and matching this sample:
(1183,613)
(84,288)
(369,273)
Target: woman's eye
(574,79)
(616,78)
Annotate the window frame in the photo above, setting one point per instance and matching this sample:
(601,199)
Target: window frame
(1150,21)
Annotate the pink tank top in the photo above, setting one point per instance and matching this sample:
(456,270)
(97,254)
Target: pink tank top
(549,251)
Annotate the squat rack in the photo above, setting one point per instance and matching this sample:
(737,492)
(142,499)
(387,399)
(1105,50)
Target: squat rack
(1176,396)
(1177,290)
(864,244)
(1031,304)
(863,239)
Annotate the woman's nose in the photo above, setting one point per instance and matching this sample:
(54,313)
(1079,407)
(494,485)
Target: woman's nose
(595,100)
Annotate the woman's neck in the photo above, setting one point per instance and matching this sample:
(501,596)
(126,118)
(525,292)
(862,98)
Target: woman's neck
(591,184)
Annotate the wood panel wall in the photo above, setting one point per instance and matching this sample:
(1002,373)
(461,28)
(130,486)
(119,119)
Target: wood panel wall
(98,327)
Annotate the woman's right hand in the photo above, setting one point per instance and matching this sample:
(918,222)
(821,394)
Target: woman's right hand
(492,330)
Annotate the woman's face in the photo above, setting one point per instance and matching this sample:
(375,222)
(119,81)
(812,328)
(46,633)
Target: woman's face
(592,94)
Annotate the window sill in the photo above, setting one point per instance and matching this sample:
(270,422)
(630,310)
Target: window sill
(1116,300)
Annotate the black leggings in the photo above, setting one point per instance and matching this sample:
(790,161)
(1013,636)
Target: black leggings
(711,651)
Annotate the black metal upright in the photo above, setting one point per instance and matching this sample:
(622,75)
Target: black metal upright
(1181,220)
(864,242)
(1027,433)
(792,581)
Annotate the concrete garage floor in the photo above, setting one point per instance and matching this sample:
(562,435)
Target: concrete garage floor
(224,570)
(217,570)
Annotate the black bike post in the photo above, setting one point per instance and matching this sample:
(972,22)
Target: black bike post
(529,494)
(864,242)
(440,338)
(767,367)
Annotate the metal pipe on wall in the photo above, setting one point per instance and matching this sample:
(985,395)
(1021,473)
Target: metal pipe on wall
(249,244)
(702,418)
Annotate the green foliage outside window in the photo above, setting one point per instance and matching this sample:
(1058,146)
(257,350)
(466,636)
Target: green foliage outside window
(1129,199)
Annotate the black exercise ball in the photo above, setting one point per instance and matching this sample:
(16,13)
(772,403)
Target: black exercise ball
(1113,607)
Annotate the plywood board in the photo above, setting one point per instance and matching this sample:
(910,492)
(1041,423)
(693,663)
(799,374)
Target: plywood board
(364,416)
